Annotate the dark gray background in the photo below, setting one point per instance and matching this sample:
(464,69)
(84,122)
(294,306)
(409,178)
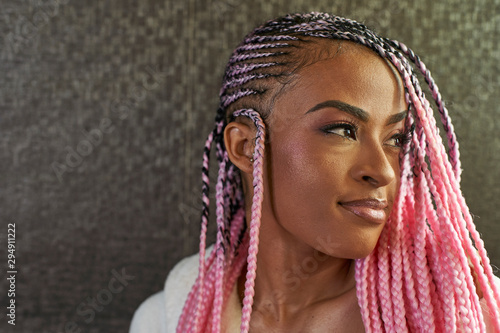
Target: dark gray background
(132,202)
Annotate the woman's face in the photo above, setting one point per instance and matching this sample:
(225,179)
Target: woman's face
(335,137)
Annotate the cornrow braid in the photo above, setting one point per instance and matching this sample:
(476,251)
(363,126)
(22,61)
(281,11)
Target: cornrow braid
(419,276)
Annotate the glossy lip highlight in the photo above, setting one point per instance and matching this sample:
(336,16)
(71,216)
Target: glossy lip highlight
(373,210)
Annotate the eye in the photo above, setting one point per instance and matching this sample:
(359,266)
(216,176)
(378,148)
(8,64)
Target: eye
(399,139)
(347,131)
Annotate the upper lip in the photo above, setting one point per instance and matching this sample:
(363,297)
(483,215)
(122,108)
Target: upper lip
(369,202)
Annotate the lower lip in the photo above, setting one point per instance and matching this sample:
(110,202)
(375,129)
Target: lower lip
(367,213)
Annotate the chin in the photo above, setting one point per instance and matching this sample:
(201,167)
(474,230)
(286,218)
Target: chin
(364,246)
(360,253)
(357,248)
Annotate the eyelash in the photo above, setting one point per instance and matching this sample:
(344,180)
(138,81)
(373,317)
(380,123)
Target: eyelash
(346,125)
(404,137)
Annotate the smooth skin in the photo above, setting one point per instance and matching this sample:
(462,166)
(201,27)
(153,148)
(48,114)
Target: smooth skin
(331,177)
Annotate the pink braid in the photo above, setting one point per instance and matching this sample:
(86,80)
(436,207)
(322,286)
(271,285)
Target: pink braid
(362,289)
(441,299)
(405,213)
(373,301)
(449,241)
(465,300)
(468,245)
(424,282)
(219,273)
(366,294)
(397,270)
(384,287)
(255,219)
(445,118)
(238,262)
(206,203)
(409,271)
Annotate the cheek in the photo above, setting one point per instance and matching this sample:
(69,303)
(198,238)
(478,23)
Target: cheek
(295,162)
(292,173)
(306,175)
(393,188)
(396,166)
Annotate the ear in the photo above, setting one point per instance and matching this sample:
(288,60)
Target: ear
(239,138)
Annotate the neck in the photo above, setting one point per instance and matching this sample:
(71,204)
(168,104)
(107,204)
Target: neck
(292,275)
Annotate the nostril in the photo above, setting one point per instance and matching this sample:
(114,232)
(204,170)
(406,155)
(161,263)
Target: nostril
(369,179)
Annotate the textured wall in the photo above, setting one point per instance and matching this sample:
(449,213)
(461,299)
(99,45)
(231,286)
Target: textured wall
(104,109)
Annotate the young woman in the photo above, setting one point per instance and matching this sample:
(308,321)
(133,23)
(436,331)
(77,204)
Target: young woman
(338,209)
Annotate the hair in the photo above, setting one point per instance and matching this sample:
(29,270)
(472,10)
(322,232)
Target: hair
(422,274)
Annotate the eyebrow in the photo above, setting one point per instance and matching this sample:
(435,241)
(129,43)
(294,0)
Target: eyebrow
(396,118)
(355,111)
(350,109)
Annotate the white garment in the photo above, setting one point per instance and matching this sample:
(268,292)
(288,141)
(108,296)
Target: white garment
(161,311)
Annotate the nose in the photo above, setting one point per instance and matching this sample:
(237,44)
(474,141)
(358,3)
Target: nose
(373,166)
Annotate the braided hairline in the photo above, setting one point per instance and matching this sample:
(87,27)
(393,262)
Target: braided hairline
(250,72)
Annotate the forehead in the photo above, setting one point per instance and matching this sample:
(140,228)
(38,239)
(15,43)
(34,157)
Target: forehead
(353,74)
(348,61)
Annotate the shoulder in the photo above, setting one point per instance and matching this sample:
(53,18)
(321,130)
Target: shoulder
(183,275)
(161,311)
(150,316)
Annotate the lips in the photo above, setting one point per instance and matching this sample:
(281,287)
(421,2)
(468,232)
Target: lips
(373,210)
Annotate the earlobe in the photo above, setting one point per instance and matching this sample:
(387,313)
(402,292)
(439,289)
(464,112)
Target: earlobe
(239,139)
